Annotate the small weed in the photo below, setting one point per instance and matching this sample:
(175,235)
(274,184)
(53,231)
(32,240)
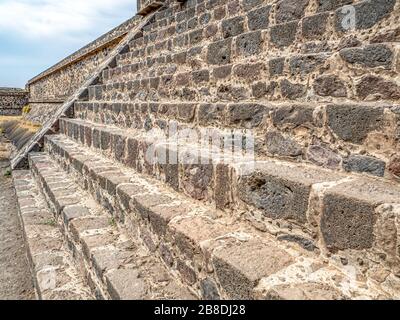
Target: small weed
(112,222)
(50,222)
(7,173)
(26,109)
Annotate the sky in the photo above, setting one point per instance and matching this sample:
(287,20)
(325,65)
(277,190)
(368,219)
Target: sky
(36,34)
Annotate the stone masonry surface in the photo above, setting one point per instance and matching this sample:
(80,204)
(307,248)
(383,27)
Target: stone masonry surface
(314,213)
(15,277)
(12,100)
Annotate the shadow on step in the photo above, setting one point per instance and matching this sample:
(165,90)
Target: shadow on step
(17,130)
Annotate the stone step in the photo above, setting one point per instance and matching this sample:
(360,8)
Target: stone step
(114,265)
(286,31)
(187,76)
(187,65)
(323,134)
(356,66)
(54,275)
(248,44)
(338,212)
(279,11)
(217,255)
(149,7)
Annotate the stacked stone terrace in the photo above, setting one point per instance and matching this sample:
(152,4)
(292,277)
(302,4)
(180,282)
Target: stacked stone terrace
(12,100)
(315,216)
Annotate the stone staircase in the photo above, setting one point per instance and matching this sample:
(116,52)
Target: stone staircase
(311,213)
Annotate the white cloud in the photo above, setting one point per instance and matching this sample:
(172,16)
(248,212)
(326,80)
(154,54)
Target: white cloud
(55,18)
(36,34)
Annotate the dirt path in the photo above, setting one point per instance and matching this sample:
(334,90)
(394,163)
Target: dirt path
(15,277)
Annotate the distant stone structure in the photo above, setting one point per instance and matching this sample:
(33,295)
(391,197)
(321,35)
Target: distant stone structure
(12,100)
(48,90)
(225,149)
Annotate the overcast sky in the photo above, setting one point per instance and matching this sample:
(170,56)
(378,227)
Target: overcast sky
(36,34)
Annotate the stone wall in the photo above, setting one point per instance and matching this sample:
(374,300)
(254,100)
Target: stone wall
(312,94)
(12,101)
(310,91)
(51,88)
(319,198)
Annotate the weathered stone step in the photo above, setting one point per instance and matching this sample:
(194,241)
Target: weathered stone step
(114,266)
(323,134)
(54,274)
(286,31)
(318,201)
(167,89)
(256,43)
(187,65)
(297,77)
(275,11)
(218,256)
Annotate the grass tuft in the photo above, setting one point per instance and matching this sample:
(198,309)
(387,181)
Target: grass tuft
(112,222)
(50,222)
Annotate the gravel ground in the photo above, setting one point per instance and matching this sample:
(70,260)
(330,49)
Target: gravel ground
(15,277)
